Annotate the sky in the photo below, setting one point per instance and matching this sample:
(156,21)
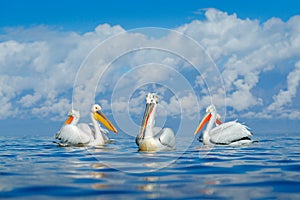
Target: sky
(242,56)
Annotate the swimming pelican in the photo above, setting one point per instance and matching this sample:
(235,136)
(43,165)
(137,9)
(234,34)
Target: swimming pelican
(229,133)
(152,138)
(83,134)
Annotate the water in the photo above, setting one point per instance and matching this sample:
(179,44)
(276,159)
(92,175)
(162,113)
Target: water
(35,168)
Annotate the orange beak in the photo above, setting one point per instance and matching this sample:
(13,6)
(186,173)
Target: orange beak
(147,114)
(100,116)
(205,119)
(69,120)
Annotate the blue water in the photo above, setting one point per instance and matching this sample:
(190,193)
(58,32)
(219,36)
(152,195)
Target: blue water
(35,168)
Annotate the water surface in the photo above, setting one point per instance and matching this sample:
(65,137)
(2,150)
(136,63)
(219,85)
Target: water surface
(35,168)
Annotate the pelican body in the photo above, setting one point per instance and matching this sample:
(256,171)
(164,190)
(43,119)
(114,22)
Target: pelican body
(228,133)
(73,134)
(152,138)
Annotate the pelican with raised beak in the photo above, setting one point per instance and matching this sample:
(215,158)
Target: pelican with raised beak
(152,138)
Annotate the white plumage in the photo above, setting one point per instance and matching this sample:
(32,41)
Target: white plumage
(152,138)
(229,133)
(73,134)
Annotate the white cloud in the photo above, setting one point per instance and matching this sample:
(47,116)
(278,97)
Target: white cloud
(38,66)
(285,97)
(29,100)
(7,110)
(184,105)
(56,108)
(243,49)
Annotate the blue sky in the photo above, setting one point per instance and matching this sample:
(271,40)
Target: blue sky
(85,15)
(254,44)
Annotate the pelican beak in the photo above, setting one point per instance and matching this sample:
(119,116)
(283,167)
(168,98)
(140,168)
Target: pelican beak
(69,120)
(100,116)
(205,119)
(147,114)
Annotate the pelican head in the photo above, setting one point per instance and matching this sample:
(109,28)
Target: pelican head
(151,98)
(209,110)
(73,117)
(97,113)
(151,102)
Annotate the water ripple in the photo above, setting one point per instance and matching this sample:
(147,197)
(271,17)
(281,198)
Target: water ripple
(36,168)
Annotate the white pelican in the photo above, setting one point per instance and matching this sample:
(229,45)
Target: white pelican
(229,133)
(83,134)
(152,138)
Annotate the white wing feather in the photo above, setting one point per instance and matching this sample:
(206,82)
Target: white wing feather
(228,132)
(72,135)
(167,138)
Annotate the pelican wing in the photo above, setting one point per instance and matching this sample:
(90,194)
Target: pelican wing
(89,129)
(229,132)
(104,133)
(72,135)
(167,138)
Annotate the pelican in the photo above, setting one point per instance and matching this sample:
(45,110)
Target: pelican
(83,134)
(229,133)
(152,138)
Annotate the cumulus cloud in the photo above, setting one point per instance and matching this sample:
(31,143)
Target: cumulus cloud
(285,96)
(186,105)
(41,68)
(243,49)
(29,100)
(38,67)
